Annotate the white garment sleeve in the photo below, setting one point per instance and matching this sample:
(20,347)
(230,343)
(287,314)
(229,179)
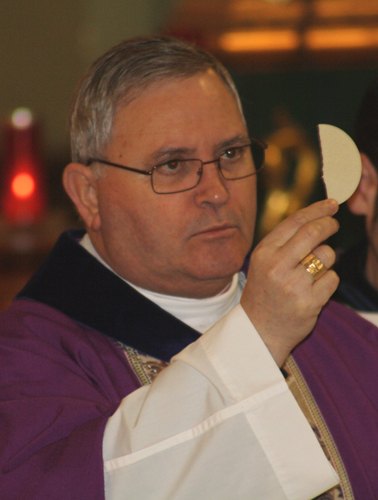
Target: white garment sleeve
(219,423)
(371,316)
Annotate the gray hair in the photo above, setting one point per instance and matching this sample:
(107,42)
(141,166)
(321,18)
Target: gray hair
(120,75)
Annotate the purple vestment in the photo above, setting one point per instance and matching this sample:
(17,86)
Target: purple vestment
(339,362)
(62,375)
(60,382)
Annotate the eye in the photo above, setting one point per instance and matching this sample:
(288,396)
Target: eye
(170,167)
(232,153)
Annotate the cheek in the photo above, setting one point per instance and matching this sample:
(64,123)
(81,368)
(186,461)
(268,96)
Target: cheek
(247,206)
(145,228)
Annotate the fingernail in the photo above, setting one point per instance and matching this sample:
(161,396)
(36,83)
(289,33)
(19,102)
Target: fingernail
(333,204)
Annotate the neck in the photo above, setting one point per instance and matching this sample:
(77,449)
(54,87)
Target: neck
(199,314)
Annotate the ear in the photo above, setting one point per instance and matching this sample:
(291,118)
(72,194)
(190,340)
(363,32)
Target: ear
(363,199)
(79,182)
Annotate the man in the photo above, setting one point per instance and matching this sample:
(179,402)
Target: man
(163,176)
(358,267)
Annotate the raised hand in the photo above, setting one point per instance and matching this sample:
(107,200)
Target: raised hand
(284,293)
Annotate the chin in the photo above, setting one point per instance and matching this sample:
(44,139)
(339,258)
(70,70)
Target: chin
(221,270)
(214,262)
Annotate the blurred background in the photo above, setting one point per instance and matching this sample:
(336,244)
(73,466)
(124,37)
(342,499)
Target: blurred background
(296,63)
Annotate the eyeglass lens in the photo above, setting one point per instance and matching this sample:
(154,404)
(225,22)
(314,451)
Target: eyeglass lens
(182,175)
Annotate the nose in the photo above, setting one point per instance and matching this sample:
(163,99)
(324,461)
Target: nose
(212,188)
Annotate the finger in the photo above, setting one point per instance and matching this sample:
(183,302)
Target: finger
(307,238)
(290,226)
(326,254)
(318,262)
(326,286)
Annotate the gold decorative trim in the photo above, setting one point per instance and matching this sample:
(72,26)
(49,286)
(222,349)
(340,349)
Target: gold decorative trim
(304,398)
(146,368)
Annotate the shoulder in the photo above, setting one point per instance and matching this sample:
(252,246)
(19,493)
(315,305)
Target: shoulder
(40,342)
(345,322)
(342,338)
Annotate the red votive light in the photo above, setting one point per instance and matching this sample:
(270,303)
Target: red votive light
(23,191)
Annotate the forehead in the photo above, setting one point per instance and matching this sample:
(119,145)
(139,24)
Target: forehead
(179,110)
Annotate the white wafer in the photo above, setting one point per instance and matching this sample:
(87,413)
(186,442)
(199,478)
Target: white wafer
(341,162)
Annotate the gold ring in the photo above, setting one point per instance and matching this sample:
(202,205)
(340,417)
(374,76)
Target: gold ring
(314,266)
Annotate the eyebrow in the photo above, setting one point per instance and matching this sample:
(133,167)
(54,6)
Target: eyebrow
(233,141)
(170,152)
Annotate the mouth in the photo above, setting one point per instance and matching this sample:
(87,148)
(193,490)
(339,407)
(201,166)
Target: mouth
(217,231)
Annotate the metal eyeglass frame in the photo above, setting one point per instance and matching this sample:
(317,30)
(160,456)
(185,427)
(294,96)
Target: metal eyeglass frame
(253,142)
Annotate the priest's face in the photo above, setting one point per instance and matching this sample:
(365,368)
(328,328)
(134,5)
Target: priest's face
(190,243)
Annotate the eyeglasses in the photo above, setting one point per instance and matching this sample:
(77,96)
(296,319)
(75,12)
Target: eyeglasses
(178,175)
